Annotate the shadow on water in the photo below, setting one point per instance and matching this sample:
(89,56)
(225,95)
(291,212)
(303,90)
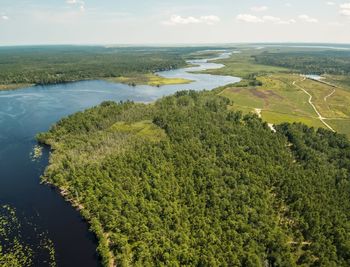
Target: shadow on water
(43,213)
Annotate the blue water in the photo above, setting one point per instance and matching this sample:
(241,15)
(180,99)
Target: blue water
(28,111)
(314,77)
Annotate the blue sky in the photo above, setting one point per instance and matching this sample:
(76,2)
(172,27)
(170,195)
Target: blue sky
(172,22)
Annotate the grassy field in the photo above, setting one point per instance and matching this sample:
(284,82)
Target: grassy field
(339,80)
(145,129)
(281,101)
(243,65)
(148,79)
(278,118)
(278,99)
(13,86)
(336,105)
(271,90)
(204,54)
(341,125)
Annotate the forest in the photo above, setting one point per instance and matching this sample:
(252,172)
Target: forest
(187,182)
(57,64)
(309,62)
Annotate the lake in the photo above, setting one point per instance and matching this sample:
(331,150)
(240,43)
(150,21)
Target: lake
(28,111)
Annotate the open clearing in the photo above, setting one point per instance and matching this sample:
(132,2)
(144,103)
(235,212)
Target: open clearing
(14,86)
(281,99)
(320,117)
(243,65)
(283,96)
(148,79)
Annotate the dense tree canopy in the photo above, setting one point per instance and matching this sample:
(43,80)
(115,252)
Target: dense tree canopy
(185,181)
(309,62)
(56,64)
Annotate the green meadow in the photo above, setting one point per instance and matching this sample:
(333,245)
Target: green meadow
(271,90)
(243,65)
(148,79)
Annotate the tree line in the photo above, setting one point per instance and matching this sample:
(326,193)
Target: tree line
(219,188)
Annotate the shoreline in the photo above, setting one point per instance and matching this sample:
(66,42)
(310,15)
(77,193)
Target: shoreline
(12,87)
(64,193)
(83,213)
(129,81)
(79,207)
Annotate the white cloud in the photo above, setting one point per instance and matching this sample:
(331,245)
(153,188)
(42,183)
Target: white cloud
(249,18)
(79,3)
(288,4)
(345,6)
(277,20)
(291,21)
(345,9)
(4,17)
(345,12)
(308,19)
(211,19)
(330,3)
(265,19)
(179,20)
(271,19)
(259,8)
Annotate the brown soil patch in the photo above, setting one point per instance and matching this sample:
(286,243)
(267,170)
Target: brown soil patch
(234,90)
(265,94)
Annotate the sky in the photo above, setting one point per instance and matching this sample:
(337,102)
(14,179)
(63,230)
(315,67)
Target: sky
(25,22)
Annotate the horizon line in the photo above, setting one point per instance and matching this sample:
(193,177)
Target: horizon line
(109,45)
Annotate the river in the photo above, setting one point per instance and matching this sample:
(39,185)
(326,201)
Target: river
(28,111)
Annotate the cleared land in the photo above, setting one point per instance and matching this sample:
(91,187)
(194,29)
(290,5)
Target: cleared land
(282,101)
(339,80)
(320,117)
(145,129)
(243,65)
(277,92)
(279,100)
(148,79)
(13,86)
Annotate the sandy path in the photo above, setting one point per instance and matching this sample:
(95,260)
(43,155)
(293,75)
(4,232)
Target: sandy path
(322,119)
(325,98)
(258,112)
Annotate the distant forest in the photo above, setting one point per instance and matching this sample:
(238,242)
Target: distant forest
(309,62)
(187,182)
(56,64)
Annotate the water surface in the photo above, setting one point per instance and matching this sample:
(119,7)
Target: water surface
(314,77)
(28,111)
